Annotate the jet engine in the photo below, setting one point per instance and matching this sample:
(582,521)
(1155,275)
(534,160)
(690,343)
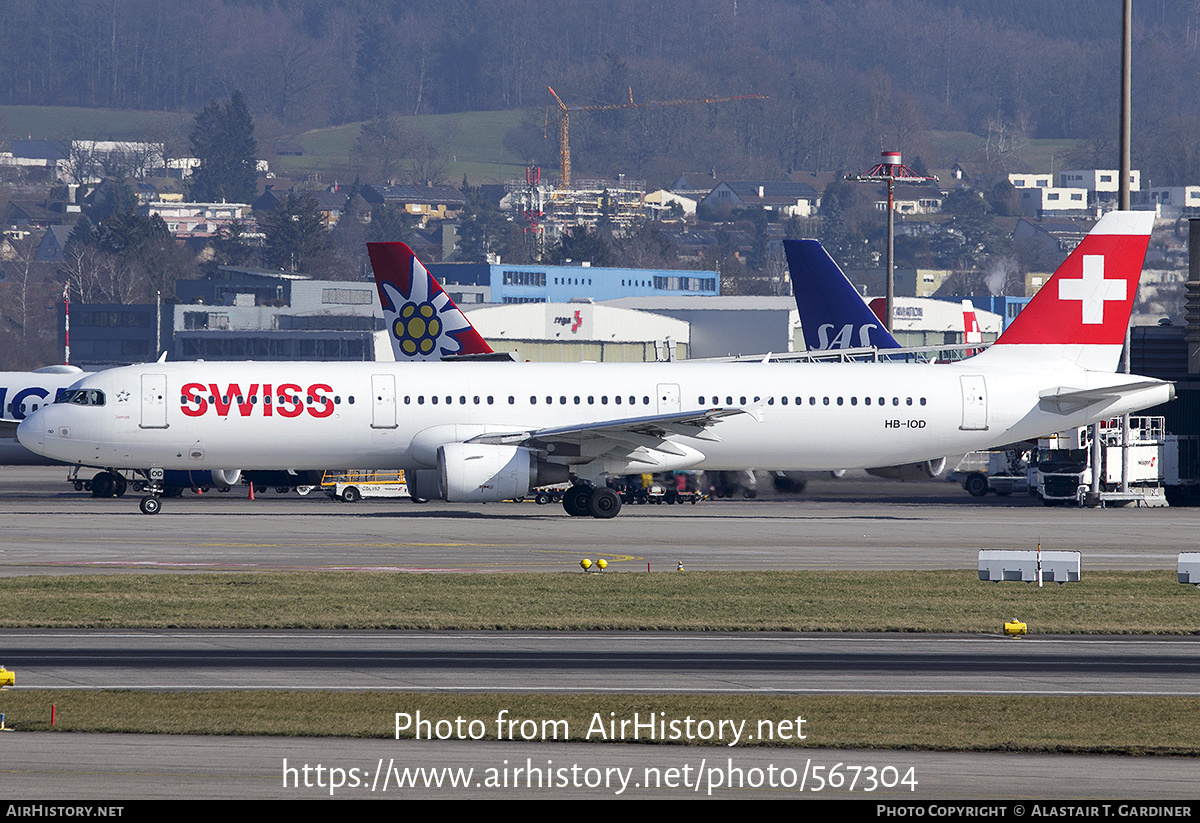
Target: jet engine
(924,470)
(484,473)
(215,478)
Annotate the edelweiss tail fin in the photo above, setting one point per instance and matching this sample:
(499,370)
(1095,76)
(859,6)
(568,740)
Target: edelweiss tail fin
(832,313)
(1080,315)
(422,321)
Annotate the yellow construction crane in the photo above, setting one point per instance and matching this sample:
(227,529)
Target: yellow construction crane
(564,144)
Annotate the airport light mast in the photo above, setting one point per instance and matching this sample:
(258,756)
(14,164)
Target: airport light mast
(889,171)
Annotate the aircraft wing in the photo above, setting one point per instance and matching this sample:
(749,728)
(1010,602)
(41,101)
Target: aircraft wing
(635,440)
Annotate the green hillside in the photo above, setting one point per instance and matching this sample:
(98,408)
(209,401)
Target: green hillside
(472,142)
(66,122)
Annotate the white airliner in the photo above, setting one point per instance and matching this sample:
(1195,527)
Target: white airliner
(475,432)
(21,394)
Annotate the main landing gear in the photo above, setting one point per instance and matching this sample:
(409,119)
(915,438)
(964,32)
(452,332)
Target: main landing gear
(599,502)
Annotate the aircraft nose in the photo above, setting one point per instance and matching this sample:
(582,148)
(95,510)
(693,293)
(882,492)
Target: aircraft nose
(34,430)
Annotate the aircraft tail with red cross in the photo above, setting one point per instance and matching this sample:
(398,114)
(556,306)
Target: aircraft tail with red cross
(1081,313)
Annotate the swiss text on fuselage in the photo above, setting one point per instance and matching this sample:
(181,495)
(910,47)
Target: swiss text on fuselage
(284,400)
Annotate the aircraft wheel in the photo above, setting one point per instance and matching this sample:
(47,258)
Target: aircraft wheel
(223,489)
(575,501)
(542,498)
(150,505)
(976,485)
(119,485)
(351,494)
(416,499)
(604,503)
(281,490)
(103,485)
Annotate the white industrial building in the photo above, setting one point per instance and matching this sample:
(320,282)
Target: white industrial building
(581,330)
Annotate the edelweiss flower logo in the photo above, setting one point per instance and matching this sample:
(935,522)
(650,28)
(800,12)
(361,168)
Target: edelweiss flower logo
(427,321)
(417,328)
(122,396)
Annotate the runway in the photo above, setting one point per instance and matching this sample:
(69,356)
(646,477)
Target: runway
(599,662)
(120,767)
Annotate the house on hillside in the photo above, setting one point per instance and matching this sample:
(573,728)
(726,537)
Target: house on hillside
(788,198)
(426,202)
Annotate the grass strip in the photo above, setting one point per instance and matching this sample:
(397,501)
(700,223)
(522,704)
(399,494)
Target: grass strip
(1105,602)
(1093,724)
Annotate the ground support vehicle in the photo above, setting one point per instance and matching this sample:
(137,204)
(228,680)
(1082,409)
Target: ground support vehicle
(1064,464)
(1002,471)
(352,485)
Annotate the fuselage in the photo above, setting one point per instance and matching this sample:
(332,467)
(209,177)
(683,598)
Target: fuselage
(798,416)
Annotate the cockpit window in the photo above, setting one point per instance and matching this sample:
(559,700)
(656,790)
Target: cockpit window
(82,397)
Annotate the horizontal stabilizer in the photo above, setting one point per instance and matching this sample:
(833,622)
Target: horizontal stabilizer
(477,357)
(1063,400)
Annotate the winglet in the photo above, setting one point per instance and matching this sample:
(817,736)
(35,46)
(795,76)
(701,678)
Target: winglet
(422,321)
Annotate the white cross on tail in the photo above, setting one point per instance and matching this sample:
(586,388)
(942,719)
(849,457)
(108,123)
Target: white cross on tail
(1092,290)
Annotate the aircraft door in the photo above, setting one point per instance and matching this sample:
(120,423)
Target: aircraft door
(974,400)
(668,398)
(383,401)
(154,401)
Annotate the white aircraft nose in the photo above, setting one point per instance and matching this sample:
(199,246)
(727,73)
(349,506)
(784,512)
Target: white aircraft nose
(33,431)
